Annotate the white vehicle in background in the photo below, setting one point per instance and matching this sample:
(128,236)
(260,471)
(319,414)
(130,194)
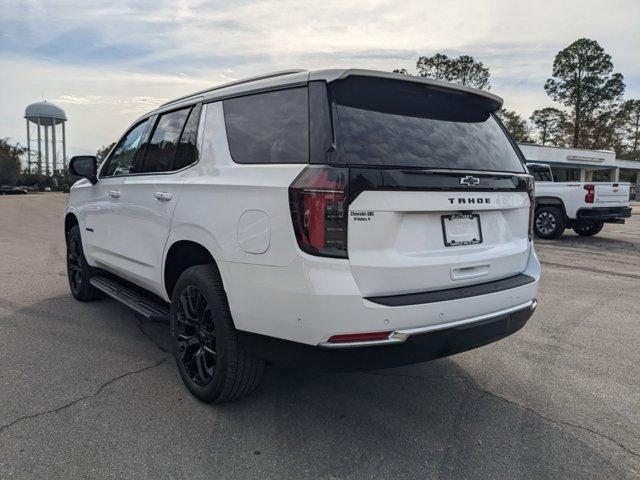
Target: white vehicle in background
(583,206)
(338,219)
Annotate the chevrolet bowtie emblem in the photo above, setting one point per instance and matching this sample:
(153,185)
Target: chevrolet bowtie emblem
(470,181)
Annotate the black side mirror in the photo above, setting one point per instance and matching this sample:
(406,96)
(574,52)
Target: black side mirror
(84,166)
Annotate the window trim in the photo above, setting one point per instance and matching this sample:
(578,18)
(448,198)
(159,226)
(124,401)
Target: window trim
(304,85)
(147,134)
(273,88)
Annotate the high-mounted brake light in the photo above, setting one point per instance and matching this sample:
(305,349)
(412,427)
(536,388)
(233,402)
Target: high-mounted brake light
(318,202)
(591,193)
(531,191)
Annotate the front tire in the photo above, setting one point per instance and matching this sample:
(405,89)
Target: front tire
(211,362)
(549,222)
(588,229)
(78,270)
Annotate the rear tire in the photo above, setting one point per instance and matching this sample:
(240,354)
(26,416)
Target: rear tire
(78,270)
(549,222)
(588,229)
(211,362)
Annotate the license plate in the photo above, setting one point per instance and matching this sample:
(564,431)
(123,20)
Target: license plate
(461,229)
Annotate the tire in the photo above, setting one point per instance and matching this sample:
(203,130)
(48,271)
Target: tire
(549,222)
(78,270)
(211,362)
(588,229)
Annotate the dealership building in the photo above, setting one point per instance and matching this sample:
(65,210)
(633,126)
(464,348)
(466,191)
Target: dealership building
(577,165)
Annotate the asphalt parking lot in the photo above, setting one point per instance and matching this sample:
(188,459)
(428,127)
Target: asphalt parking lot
(87,390)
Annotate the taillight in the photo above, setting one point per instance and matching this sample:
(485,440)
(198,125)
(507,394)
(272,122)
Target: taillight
(318,202)
(531,191)
(591,193)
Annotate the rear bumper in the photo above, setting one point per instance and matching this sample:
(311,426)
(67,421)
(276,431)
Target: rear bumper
(315,298)
(402,348)
(603,214)
(401,336)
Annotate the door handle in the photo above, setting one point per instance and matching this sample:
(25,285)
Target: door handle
(466,273)
(163,196)
(114,194)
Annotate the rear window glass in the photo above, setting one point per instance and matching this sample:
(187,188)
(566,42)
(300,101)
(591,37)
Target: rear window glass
(271,127)
(187,152)
(406,124)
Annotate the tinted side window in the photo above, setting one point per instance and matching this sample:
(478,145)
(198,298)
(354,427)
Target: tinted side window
(164,141)
(271,127)
(187,151)
(121,161)
(540,174)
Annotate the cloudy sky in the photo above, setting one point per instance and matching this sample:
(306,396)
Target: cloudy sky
(108,62)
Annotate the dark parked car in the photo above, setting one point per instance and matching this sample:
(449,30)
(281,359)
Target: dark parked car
(10,190)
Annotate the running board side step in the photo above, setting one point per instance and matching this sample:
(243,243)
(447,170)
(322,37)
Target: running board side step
(141,305)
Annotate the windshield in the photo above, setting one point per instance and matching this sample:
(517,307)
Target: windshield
(406,124)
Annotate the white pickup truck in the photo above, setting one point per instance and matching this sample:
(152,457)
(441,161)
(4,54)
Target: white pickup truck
(583,206)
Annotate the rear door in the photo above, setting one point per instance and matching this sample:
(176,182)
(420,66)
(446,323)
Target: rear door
(438,191)
(149,197)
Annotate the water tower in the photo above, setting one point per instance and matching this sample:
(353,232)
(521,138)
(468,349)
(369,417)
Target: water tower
(44,117)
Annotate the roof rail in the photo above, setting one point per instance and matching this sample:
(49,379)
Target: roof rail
(236,82)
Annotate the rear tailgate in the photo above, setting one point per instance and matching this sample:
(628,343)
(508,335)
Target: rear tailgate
(413,241)
(611,194)
(437,192)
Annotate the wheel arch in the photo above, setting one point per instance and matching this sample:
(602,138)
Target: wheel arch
(181,255)
(69,221)
(551,202)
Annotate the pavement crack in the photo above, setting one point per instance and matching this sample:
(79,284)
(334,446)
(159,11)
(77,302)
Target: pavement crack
(554,420)
(511,402)
(85,397)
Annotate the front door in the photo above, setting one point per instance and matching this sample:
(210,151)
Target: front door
(104,238)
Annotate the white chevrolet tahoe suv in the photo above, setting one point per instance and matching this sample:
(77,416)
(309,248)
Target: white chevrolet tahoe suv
(583,206)
(335,219)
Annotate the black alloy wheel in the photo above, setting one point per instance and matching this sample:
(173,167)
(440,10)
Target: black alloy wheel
(74,263)
(588,229)
(196,336)
(78,270)
(211,361)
